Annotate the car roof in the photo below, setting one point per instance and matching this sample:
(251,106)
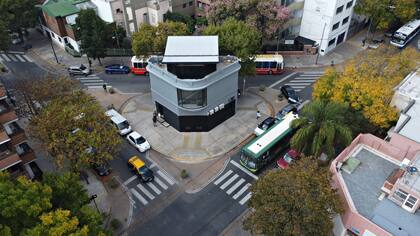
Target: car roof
(135,135)
(269,119)
(115,116)
(293,153)
(136,161)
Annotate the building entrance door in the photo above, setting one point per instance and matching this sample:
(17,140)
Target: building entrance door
(340,38)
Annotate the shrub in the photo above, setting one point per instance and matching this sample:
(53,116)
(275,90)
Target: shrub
(111,90)
(115,224)
(262,88)
(184,174)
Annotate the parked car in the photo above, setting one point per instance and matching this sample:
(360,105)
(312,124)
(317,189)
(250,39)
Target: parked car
(287,159)
(140,169)
(288,108)
(78,70)
(290,94)
(264,125)
(102,169)
(138,141)
(117,69)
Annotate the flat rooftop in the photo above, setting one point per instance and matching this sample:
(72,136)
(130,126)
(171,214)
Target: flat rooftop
(408,124)
(192,49)
(364,185)
(410,86)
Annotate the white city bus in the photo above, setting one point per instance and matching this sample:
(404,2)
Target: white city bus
(406,33)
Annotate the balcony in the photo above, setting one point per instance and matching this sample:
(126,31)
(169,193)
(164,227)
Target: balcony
(3,136)
(6,112)
(16,133)
(25,152)
(8,159)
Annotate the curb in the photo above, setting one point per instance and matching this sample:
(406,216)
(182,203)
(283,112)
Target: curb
(271,108)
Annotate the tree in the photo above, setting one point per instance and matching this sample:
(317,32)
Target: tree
(295,201)
(321,127)
(179,17)
(4,36)
(264,15)
(115,35)
(21,202)
(150,39)
(18,14)
(366,83)
(92,32)
(75,131)
(58,222)
(383,12)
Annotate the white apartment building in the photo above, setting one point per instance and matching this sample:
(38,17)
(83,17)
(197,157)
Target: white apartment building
(326,22)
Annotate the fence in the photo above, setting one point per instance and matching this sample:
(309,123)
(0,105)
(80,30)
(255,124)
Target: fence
(118,52)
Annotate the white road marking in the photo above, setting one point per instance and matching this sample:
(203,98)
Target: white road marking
(94,84)
(245,199)
(13,58)
(95,87)
(227,183)
(169,180)
(285,78)
(28,58)
(302,81)
(153,187)
(312,74)
(298,87)
(234,187)
(145,191)
(243,169)
(92,75)
(223,177)
(298,90)
(138,196)
(5,57)
(130,179)
(241,191)
(91,80)
(302,105)
(20,58)
(297,83)
(163,185)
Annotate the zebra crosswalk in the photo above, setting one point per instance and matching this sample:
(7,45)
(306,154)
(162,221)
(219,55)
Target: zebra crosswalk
(7,57)
(147,192)
(304,80)
(91,81)
(234,186)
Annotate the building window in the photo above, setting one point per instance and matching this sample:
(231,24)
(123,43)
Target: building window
(400,195)
(66,41)
(349,4)
(331,42)
(345,20)
(339,10)
(335,26)
(192,99)
(410,202)
(184,5)
(190,3)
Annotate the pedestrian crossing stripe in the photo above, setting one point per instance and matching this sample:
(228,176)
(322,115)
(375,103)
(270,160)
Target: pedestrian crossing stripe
(146,192)
(241,191)
(297,87)
(298,83)
(245,199)
(153,187)
(27,58)
(235,186)
(20,58)
(99,83)
(303,80)
(138,196)
(223,177)
(161,184)
(227,183)
(13,58)
(91,80)
(169,180)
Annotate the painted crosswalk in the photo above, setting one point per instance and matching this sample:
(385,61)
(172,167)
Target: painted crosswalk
(234,186)
(8,57)
(146,192)
(92,81)
(304,80)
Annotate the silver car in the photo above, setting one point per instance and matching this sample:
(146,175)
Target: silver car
(78,70)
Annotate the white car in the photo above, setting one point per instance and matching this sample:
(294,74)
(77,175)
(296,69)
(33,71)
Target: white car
(138,141)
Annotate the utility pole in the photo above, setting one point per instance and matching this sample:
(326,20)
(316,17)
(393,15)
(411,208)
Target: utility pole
(52,47)
(320,43)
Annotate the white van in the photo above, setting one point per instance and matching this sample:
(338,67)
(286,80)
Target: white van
(119,121)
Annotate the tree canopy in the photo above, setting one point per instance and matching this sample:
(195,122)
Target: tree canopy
(321,128)
(366,83)
(264,15)
(384,12)
(150,39)
(75,131)
(18,14)
(295,201)
(179,17)
(4,36)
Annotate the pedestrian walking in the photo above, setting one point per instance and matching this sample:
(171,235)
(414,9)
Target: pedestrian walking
(363,42)
(154,120)
(258,115)
(90,63)
(104,87)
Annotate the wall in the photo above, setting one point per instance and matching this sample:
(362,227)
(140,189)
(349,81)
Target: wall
(178,6)
(104,10)
(411,147)
(55,24)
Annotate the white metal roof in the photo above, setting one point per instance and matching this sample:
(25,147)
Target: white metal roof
(137,59)
(272,134)
(181,49)
(269,57)
(115,116)
(410,86)
(409,27)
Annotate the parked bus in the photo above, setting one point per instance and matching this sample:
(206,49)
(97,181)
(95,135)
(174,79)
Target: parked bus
(269,64)
(406,33)
(261,150)
(138,66)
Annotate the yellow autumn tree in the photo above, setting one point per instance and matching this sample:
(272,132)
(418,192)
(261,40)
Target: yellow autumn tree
(366,83)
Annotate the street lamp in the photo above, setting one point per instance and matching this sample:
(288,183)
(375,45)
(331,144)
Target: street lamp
(52,47)
(92,198)
(320,43)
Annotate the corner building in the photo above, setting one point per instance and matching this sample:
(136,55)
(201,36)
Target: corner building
(194,88)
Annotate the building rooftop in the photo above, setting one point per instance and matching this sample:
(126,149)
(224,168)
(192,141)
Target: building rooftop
(192,49)
(408,124)
(410,86)
(61,8)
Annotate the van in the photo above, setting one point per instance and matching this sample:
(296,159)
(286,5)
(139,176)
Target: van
(119,122)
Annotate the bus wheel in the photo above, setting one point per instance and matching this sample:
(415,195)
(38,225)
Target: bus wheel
(270,72)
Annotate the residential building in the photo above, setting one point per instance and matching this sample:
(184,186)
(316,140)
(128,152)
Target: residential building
(186,7)
(16,156)
(379,183)
(407,91)
(193,87)
(202,7)
(326,22)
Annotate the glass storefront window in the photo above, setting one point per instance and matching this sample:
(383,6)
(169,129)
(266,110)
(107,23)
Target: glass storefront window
(192,99)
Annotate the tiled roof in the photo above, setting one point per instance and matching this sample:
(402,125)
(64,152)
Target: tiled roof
(61,8)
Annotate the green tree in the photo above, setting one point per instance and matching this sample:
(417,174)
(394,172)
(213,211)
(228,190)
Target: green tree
(18,14)
(75,131)
(321,127)
(295,201)
(67,192)
(150,39)
(116,35)
(92,219)
(4,36)
(91,30)
(59,223)
(179,17)
(5,230)
(21,202)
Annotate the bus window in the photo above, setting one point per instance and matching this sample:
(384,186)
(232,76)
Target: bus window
(258,64)
(273,65)
(266,64)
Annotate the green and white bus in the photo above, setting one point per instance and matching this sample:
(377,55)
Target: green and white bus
(261,150)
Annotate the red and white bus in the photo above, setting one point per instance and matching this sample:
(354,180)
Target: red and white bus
(269,64)
(138,65)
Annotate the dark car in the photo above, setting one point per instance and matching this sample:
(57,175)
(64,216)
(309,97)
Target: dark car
(288,108)
(102,169)
(265,125)
(290,94)
(117,69)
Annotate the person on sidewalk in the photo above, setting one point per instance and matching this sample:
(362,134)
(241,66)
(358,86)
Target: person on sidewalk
(90,63)
(154,120)
(104,87)
(258,115)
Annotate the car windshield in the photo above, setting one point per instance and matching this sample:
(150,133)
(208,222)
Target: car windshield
(145,171)
(291,92)
(140,140)
(288,158)
(123,125)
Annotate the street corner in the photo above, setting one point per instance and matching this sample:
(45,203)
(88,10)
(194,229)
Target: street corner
(107,99)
